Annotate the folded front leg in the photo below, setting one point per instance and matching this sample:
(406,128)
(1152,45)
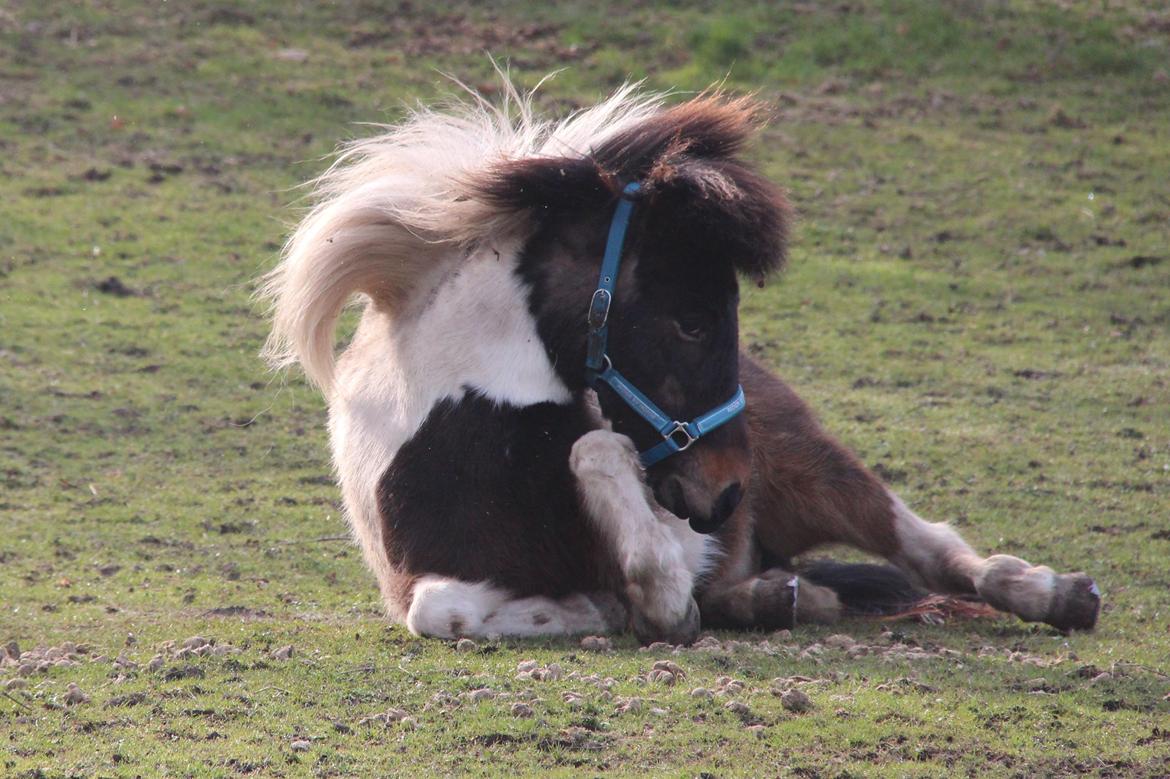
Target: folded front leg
(658,554)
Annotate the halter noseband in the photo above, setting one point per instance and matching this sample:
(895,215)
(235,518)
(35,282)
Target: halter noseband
(676,436)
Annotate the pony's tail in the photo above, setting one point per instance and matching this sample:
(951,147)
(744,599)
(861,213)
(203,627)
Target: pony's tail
(865,589)
(886,593)
(356,242)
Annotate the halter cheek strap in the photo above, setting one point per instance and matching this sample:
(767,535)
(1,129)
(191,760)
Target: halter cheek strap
(676,436)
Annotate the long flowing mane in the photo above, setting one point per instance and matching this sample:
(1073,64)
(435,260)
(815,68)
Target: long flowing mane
(393,205)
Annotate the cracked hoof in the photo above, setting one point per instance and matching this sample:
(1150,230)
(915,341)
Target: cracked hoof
(1076,602)
(684,632)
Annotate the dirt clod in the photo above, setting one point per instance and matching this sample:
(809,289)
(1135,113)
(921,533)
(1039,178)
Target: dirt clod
(194,642)
(628,705)
(480,695)
(796,701)
(738,708)
(839,641)
(114,286)
(530,670)
(74,696)
(386,718)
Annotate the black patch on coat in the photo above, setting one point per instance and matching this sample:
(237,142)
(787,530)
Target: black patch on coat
(483,492)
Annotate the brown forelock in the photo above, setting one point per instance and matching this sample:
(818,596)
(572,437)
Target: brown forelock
(709,126)
(723,207)
(684,158)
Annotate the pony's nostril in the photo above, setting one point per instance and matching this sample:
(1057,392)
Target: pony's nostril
(726,503)
(670,495)
(723,508)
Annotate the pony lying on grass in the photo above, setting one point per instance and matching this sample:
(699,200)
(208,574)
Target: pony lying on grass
(537,425)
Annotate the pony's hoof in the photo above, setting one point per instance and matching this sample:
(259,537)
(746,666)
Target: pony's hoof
(684,632)
(1076,602)
(775,601)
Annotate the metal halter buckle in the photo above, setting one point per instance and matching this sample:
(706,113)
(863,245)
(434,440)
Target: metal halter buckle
(599,310)
(681,428)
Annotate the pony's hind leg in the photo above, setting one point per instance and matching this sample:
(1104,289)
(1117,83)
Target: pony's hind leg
(857,509)
(658,554)
(938,558)
(442,607)
(808,490)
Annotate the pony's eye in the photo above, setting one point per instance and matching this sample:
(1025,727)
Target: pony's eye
(692,328)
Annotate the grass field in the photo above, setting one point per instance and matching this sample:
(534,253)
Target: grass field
(978,303)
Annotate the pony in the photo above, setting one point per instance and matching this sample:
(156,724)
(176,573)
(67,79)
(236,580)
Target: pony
(495,467)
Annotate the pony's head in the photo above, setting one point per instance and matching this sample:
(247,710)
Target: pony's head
(702,218)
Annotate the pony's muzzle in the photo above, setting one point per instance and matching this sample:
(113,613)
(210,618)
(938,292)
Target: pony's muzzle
(672,494)
(705,484)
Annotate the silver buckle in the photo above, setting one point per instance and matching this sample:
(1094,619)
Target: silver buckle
(681,427)
(599,309)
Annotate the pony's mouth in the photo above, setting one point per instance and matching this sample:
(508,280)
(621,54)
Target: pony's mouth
(671,494)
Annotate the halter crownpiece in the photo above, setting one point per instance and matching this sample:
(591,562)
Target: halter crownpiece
(676,436)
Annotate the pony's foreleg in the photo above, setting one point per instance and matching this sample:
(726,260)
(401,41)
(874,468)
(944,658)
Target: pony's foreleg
(658,554)
(939,558)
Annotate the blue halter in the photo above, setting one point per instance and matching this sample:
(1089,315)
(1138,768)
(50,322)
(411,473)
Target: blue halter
(676,436)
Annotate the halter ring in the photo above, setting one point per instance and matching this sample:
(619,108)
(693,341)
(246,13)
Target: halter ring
(681,428)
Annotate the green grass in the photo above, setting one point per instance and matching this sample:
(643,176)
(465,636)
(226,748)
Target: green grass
(977,303)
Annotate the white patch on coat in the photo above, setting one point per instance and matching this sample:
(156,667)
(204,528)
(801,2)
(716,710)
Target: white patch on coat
(932,553)
(442,607)
(941,561)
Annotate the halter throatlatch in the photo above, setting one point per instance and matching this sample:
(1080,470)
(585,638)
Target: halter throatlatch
(676,436)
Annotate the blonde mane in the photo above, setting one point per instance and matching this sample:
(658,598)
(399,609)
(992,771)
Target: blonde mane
(393,205)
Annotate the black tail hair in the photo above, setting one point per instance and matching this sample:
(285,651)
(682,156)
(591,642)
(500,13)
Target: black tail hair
(863,588)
